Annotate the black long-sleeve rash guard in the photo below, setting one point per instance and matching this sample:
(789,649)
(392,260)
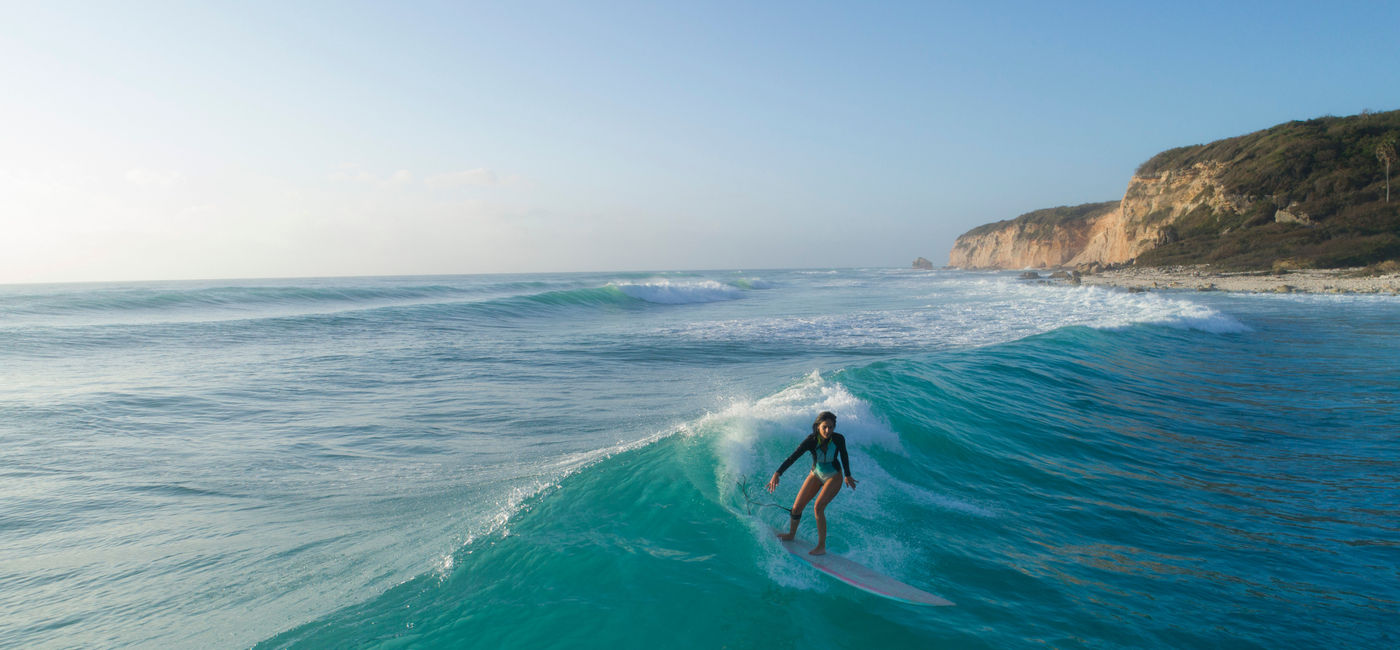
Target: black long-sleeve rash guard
(842,462)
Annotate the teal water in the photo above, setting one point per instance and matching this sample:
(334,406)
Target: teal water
(556,461)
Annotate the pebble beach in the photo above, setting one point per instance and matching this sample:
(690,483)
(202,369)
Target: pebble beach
(1206,279)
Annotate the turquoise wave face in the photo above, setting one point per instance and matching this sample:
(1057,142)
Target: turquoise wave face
(1144,487)
(645,547)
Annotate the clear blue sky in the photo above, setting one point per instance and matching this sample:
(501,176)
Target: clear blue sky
(161,140)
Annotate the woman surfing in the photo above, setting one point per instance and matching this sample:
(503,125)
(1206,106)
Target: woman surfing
(829,463)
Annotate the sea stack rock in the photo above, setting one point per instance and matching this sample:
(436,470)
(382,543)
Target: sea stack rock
(924,264)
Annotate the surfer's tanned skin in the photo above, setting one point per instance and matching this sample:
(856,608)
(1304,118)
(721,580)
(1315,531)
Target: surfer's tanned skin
(824,481)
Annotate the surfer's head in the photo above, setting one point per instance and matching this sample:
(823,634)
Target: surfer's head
(824,416)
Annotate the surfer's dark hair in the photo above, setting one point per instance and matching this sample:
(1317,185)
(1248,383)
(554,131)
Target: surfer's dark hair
(821,417)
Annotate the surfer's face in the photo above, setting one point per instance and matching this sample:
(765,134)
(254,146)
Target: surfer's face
(825,427)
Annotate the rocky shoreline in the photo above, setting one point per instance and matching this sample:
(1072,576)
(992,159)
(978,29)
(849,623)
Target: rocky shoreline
(1203,278)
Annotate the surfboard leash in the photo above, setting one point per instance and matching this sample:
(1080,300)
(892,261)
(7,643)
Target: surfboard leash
(754,504)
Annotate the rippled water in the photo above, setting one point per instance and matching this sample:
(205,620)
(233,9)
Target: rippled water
(556,460)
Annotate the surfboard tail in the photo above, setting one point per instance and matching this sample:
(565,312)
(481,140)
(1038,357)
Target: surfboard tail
(862,577)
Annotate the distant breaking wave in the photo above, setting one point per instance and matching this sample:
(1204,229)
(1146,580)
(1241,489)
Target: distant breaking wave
(666,292)
(164,301)
(1022,311)
(293,307)
(751,283)
(178,302)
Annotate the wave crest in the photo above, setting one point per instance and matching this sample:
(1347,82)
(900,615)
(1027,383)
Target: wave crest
(970,314)
(666,292)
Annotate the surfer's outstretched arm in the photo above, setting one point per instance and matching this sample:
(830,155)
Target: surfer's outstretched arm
(825,479)
(803,448)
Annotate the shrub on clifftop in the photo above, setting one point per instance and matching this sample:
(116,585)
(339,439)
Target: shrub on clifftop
(1314,190)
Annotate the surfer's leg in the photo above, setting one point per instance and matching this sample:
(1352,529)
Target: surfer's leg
(804,496)
(829,490)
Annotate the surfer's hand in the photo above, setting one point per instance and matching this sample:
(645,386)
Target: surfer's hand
(773,483)
(851,482)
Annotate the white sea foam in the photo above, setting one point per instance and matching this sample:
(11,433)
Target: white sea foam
(667,292)
(965,313)
(1379,299)
(755,436)
(743,424)
(748,445)
(791,410)
(1109,309)
(1039,308)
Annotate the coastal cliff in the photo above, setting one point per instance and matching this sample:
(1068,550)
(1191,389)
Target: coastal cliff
(1105,234)
(1040,239)
(1299,195)
(1146,216)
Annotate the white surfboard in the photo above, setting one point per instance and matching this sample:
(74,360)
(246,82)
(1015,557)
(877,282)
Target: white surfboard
(863,577)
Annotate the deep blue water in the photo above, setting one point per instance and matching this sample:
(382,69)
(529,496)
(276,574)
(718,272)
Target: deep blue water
(556,461)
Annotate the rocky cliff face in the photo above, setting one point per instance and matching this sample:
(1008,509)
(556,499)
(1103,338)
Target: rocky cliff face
(1302,194)
(1114,234)
(1041,239)
(1020,245)
(1150,206)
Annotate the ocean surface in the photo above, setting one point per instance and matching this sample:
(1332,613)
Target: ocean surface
(575,460)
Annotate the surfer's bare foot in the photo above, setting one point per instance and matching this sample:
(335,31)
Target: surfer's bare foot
(786,537)
(817,551)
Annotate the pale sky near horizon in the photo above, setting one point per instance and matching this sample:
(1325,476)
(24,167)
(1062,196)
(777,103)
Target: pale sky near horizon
(172,140)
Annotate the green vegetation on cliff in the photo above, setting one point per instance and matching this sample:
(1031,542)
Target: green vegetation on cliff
(1329,175)
(1042,224)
